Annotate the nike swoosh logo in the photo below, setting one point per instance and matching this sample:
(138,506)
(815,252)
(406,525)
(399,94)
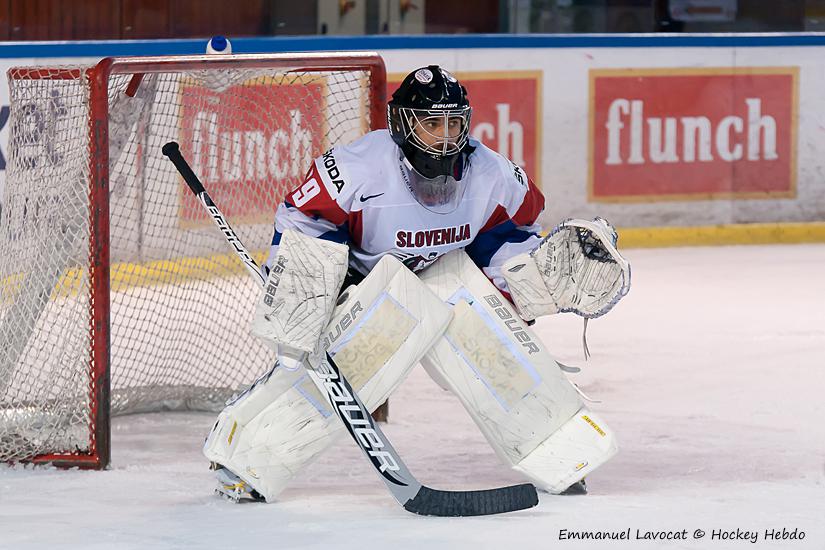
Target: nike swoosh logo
(365,199)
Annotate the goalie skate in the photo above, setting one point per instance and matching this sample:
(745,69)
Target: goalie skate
(578,488)
(234,488)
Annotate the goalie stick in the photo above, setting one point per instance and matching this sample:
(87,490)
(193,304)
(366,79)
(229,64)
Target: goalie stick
(407,490)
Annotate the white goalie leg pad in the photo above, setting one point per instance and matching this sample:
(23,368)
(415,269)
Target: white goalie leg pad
(237,431)
(377,334)
(508,382)
(584,442)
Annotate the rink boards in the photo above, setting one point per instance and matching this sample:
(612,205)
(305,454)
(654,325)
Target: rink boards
(649,131)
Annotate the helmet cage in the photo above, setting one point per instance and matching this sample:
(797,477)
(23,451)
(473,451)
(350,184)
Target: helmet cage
(449,143)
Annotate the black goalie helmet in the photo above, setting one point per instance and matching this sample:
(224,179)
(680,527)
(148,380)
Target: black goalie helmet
(429,119)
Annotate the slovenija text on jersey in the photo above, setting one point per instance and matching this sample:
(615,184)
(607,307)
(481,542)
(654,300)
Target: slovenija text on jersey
(432,237)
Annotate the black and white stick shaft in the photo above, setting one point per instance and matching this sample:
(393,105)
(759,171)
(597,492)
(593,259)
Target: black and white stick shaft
(411,494)
(172,150)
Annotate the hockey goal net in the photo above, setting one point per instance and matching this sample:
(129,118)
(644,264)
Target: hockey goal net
(117,295)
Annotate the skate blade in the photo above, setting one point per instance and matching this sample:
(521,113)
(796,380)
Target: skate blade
(237,493)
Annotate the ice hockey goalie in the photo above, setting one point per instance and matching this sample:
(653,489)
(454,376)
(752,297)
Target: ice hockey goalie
(419,245)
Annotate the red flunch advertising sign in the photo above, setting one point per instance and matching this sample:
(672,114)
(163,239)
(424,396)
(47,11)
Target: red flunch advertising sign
(251,143)
(682,134)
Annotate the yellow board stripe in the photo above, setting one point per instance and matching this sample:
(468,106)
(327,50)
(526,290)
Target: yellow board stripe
(125,275)
(711,235)
(130,275)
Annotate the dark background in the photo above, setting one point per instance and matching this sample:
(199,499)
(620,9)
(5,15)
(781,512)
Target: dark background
(142,19)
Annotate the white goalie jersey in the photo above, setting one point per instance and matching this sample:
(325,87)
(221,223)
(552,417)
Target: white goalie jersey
(357,194)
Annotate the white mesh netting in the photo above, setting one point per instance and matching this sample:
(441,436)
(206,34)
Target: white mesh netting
(180,302)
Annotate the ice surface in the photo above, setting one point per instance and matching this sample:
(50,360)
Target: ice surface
(711,371)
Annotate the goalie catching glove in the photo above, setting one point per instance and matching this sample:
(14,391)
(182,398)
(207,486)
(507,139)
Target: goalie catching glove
(575,268)
(300,295)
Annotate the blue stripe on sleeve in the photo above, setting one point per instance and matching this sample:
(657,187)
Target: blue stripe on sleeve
(486,244)
(340,235)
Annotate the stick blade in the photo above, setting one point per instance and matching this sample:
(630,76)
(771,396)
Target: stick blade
(432,502)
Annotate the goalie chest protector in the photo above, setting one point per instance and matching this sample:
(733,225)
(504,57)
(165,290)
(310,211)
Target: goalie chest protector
(359,192)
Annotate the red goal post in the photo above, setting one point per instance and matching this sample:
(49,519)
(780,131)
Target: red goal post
(115,294)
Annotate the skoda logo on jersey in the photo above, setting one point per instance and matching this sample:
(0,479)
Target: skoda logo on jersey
(424,76)
(332,171)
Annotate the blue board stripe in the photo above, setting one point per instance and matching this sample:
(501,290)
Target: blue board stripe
(102,48)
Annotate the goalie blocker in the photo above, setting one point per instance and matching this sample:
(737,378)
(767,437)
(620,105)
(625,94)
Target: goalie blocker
(299,296)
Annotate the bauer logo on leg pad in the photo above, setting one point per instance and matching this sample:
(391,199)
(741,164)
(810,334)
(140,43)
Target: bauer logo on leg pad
(333,332)
(512,323)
